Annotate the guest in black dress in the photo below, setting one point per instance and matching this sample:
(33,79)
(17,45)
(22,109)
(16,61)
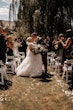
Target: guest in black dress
(3,48)
(23,46)
(67,45)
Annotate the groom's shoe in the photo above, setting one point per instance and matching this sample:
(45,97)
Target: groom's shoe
(47,75)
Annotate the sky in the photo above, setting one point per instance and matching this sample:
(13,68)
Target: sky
(4,9)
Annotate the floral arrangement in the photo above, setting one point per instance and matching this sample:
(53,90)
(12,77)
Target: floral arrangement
(39,49)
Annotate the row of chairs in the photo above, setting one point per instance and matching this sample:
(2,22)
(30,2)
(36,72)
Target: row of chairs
(11,64)
(51,58)
(2,73)
(55,62)
(13,61)
(68,70)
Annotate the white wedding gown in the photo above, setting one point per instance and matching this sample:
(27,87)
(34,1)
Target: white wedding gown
(31,65)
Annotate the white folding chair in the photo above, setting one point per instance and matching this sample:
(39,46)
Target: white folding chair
(49,58)
(67,70)
(52,60)
(3,74)
(10,64)
(57,64)
(17,60)
(22,56)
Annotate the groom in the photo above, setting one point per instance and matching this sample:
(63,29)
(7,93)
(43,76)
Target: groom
(44,55)
(44,59)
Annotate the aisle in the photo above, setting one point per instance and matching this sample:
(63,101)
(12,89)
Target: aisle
(37,94)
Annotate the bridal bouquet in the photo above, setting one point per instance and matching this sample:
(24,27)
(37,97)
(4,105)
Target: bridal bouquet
(38,49)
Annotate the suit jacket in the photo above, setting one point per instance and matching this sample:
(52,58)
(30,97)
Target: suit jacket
(3,48)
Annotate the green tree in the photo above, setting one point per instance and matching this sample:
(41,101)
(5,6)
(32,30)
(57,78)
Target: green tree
(46,17)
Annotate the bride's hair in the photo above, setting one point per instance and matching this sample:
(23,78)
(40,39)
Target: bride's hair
(29,39)
(34,34)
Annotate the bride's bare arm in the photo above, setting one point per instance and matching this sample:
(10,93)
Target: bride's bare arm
(31,47)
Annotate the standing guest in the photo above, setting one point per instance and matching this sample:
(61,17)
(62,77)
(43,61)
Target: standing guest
(55,43)
(48,43)
(9,46)
(59,51)
(67,52)
(67,45)
(16,45)
(60,46)
(23,46)
(3,48)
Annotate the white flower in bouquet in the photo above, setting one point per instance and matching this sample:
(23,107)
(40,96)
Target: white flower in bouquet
(38,49)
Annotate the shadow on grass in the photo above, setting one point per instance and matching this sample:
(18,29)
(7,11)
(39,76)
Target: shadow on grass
(45,77)
(45,80)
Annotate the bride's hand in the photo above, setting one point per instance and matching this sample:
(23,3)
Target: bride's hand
(31,48)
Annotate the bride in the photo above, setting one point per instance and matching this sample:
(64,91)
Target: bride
(32,64)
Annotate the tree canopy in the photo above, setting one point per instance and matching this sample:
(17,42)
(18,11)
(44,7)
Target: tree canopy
(46,17)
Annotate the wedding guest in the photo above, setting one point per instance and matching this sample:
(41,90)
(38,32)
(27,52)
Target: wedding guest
(67,45)
(60,46)
(3,48)
(23,46)
(16,45)
(55,43)
(9,46)
(48,43)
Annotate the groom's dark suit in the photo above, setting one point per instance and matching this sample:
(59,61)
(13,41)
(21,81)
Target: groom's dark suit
(44,59)
(44,55)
